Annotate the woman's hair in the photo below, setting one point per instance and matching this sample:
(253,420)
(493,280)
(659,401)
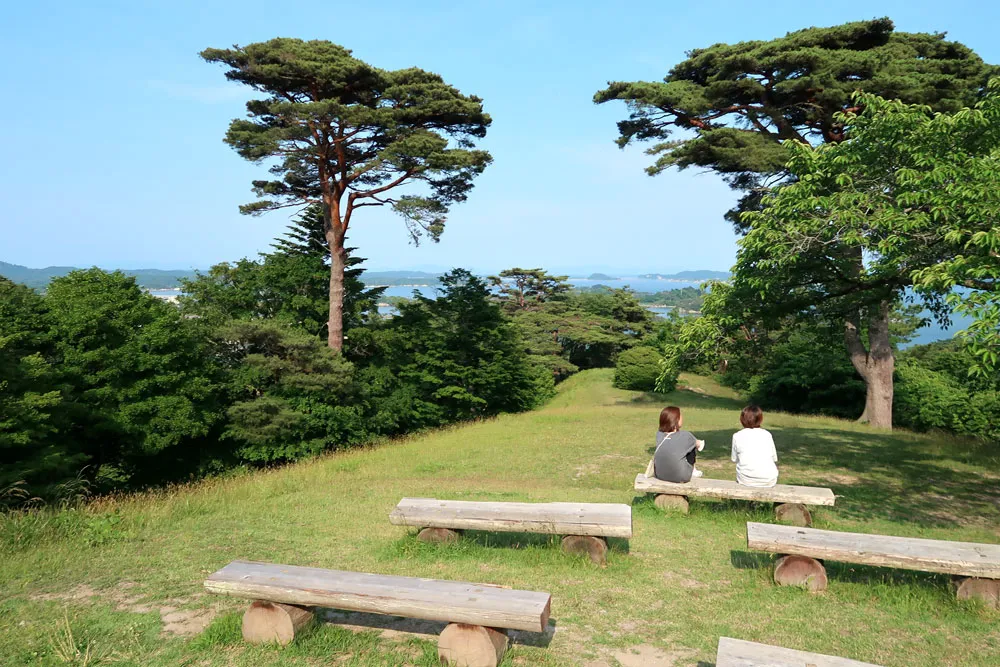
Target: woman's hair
(751,417)
(670,419)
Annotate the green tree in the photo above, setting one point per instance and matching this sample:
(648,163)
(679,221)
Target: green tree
(291,396)
(145,386)
(290,284)
(343,135)
(741,101)
(32,452)
(524,289)
(897,205)
(457,357)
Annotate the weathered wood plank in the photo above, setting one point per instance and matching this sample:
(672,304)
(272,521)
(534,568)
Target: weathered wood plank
(592,519)
(739,653)
(430,599)
(725,488)
(910,553)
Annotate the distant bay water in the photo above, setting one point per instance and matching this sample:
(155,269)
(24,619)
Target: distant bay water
(929,334)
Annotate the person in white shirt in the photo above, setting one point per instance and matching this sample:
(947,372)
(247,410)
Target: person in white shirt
(753,451)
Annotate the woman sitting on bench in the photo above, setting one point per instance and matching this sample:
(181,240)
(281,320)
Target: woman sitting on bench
(753,451)
(676,450)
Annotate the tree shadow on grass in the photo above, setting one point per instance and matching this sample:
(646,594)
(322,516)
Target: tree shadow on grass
(877,475)
(686,398)
(897,478)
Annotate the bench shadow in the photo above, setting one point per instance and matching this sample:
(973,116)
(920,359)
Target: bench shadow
(871,574)
(511,540)
(750,560)
(388,626)
(494,540)
(702,663)
(394,626)
(537,639)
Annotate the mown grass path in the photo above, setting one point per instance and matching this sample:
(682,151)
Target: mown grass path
(120,582)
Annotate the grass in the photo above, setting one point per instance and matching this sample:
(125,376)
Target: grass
(98,585)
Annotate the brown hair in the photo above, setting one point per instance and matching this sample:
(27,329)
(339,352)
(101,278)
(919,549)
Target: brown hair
(751,417)
(670,418)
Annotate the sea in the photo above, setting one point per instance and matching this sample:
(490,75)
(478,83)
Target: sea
(928,334)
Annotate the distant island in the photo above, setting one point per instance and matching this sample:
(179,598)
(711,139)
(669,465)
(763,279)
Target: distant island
(601,276)
(400,279)
(687,276)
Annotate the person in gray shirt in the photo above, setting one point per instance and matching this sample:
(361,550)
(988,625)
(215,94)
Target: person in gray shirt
(676,450)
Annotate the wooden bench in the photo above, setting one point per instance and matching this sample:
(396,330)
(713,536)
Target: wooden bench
(478,614)
(790,500)
(584,525)
(739,653)
(976,565)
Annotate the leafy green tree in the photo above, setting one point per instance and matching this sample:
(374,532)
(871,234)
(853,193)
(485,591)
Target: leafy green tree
(291,395)
(290,284)
(457,357)
(342,135)
(32,452)
(897,205)
(741,102)
(524,289)
(805,370)
(582,329)
(145,387)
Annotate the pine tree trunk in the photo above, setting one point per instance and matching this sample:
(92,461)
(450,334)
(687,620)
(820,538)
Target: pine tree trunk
(335,325)
(875,363)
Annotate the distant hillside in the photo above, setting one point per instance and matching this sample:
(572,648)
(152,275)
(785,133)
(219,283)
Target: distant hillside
(688,276)
(600,276)
(39,278)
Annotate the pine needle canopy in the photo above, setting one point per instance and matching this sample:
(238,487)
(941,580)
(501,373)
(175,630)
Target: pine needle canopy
(742,100)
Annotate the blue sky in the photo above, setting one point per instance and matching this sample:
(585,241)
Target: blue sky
(113,126)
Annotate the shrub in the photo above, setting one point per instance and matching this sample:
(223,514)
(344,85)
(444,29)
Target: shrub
(925,399)
(808,373)
(638,369)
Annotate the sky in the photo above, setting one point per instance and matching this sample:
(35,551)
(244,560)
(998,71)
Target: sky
(113,127)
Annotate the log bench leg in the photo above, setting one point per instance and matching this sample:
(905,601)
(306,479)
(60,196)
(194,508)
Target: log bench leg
(987,590)
(588,545)
(439,535)
(795,514)
(471,645)
(272,622)
(668,502)
(800,571)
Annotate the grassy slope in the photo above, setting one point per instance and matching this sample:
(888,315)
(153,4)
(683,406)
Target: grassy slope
(678,585)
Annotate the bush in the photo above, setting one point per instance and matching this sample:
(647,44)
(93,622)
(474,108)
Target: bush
(638,369)
(808,372)
(924,399)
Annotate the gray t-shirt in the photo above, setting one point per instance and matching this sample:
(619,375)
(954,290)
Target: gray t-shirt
(674,457)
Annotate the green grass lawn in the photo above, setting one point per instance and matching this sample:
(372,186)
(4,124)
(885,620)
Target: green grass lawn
(119,582)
